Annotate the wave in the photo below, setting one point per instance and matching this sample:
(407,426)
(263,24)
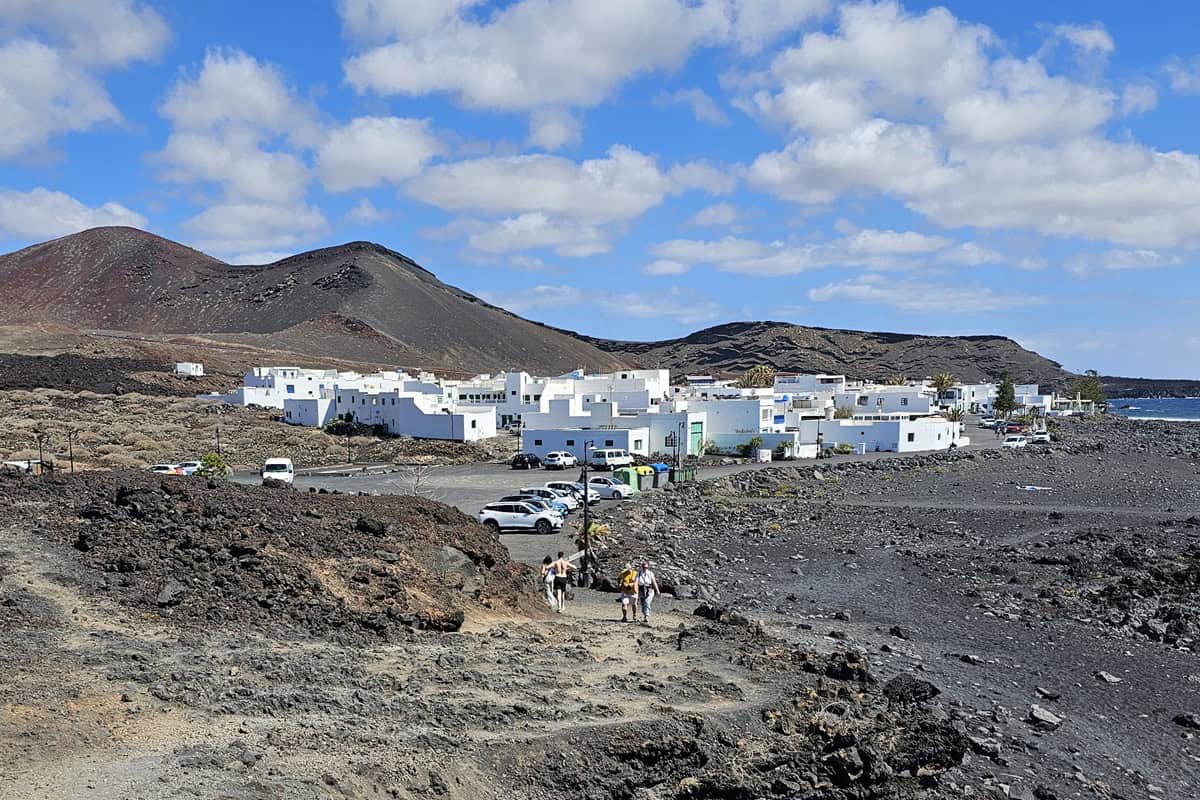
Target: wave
(1166,419)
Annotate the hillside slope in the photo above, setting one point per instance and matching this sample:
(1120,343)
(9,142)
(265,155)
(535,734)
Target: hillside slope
(357,300)
(737,346)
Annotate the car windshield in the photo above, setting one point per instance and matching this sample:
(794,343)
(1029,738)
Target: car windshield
(276,468)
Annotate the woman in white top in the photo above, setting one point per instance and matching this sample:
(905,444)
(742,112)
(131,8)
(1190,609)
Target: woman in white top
(647,589)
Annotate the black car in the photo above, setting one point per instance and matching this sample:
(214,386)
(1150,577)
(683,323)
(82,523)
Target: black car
(526,461)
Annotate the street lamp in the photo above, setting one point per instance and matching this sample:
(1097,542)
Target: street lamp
(587,520)
(40,437)
(678,441)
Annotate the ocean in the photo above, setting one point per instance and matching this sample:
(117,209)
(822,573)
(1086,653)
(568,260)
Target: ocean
(1181,409)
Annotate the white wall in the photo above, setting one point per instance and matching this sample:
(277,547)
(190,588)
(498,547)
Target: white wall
(312,412)
(540,442)
(901,400)
(748,417)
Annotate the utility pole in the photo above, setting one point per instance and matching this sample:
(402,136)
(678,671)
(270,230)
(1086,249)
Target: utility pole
(585,575)
(218,436)
(41,437)
(71,434)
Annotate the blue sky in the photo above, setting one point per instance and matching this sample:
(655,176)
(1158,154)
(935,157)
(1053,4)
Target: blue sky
(644,168)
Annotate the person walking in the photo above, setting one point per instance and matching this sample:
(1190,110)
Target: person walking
(647,588)
(548,581)
(561,568)
(628,587)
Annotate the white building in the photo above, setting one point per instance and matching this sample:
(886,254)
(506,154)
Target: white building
(894,433)
(874,399)
(190,368)
(569,423)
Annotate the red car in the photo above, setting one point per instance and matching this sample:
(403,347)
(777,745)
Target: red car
(1013,428)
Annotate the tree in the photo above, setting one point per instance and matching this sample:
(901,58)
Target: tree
(760,377)
(895,380)
(944,382)
(954,415)
(1088,387)
(213,465)
(843,412)
(1006,396)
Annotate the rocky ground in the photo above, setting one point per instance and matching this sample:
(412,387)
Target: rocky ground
(1051,593)
(925,627)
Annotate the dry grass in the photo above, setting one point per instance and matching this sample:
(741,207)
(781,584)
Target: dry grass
(134,430)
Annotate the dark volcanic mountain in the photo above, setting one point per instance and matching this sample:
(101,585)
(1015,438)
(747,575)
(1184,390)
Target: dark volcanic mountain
(737,346)
(357,300)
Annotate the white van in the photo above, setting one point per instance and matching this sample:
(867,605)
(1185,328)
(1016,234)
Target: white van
(278,469)
(609,458)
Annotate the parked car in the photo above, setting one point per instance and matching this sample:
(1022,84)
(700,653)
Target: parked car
(525,461)
(607,487)
(518,516)
(575,488)
(189,467)
(278,469)
(543,505)
(1014,442)
(552,496)
(559,459)
(987,422)
(1013,427)
(609,458)
(166,469)
(1040,437)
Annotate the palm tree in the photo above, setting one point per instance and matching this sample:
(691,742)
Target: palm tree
(895,380)
(956,416)
(944,382)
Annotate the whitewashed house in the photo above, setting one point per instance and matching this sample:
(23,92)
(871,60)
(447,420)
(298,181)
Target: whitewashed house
(191,369)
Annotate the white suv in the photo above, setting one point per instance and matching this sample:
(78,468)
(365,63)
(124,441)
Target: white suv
(607,487)
(518,516)
(574,489)
(1014,442)
(552,496)
(559,459)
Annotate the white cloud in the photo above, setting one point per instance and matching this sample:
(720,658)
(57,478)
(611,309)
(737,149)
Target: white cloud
(1138,98)
(876,243)
(533,55)
(365,213)
(719,215)
(104,33)
(536,230)
(930,111)
(552,129)
(52,60)
(923,298)
(702,176)
(239,227)
(236,162)
(1184,74)
(256,259)
(1082,265)
(678,304)
(1089,38)
(703,107)
(665,267)
(971,254)
(45,214)
(368,151)
(619,187)
(693,251)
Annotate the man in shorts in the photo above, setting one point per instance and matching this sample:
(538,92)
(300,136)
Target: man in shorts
(627,586)
(647,588)
(561,569)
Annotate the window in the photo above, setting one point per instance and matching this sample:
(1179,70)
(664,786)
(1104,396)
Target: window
(912,437)
(766,414)
(570,442)
(339,399)
(291,388)
(514,392)
(537,442)
(903,401)
(862,399)
(637,444)
(473,423)
(608,442)
(289,415)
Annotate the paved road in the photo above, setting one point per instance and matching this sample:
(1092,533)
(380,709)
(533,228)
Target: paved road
(469,487)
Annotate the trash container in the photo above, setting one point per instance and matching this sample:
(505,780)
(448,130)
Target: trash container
(645,478)
(627,476)
(662,474)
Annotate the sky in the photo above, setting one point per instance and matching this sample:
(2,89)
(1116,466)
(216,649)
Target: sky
(640,169)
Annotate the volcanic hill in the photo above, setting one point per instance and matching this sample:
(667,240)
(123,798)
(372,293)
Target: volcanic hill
(738,346)
(355,301)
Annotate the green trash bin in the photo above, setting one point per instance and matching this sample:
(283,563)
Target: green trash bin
(627,476)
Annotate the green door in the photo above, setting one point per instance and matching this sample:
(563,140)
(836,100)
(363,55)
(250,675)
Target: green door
(696,439)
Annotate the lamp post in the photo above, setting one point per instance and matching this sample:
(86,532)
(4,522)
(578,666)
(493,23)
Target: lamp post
(585,573)
(678,442)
